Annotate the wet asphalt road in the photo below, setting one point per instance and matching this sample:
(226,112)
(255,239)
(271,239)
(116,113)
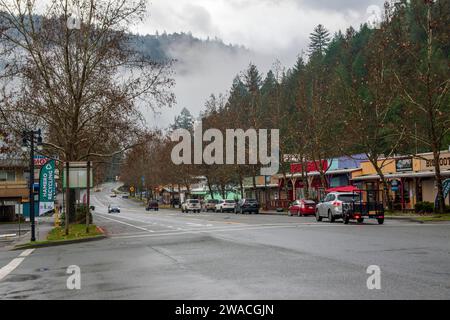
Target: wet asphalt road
(169,255)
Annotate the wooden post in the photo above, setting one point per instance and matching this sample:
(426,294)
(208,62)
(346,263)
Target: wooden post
(67,215)
(88,195)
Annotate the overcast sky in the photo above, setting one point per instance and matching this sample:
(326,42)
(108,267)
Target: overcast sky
(268,26)
(271,29)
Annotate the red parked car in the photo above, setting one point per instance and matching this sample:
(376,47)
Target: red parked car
(302,208)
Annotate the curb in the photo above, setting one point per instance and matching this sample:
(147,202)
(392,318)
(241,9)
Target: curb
(404,219)
(59,243)
(62,242)
(274,213)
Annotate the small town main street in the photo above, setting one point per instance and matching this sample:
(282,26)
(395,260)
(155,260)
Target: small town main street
(170,255)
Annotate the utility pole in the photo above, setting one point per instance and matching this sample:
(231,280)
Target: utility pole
(32,213)
(66,220)
(88,196)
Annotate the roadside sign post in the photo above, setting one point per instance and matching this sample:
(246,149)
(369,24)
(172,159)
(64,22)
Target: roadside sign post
(88,195)
(78,175)
(66,215)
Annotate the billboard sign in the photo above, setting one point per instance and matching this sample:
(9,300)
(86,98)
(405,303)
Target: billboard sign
(405,164)
(78,176)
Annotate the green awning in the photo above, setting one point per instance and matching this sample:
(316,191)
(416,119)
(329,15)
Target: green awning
(198,193)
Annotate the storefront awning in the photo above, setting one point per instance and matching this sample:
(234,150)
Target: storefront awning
(261,186)
(399,175)
(344,189)
(317,173)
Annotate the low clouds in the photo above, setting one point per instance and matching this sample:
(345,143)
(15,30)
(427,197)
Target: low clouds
(270,29)
(340,5)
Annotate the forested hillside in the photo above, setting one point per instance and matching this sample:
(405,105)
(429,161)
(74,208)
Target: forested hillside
(160,46)
(379,91)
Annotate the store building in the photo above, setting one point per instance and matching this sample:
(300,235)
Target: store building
(411,179)
(13,188)
(280,190)
(338,173)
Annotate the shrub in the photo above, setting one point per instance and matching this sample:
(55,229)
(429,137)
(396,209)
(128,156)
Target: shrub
(80,216)
(424,207)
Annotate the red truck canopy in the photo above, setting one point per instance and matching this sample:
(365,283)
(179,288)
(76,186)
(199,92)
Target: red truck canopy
(344,189)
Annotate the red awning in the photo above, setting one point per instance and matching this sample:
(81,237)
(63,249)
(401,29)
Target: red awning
(344,189)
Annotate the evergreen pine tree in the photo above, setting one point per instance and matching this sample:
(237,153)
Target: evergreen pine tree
(184,121)
(320,38)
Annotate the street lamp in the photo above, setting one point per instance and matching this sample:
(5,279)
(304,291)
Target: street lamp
(30,139)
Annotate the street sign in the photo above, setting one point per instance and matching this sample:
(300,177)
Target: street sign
(47,188)
(40,160)
(78,175)
(395,185)
(131,189)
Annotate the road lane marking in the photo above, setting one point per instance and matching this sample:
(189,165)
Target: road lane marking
(118,237)
(12,235)
(194,224)
(124,223)
(10,267)
(242,228)
(26,253)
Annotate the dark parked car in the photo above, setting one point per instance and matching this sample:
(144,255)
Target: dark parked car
(152,205)
(175,203)
(113,208)
(247,205)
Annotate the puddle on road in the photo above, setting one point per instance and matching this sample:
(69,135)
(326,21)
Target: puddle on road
(22,278)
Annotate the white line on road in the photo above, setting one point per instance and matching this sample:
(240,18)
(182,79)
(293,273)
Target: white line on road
(26,253)
(10,267)
(197,231)
(124,223)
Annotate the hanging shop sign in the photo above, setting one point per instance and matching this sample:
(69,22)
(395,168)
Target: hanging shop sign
(47,188)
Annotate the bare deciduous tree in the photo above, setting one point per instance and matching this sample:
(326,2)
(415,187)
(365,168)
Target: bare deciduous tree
(83,85)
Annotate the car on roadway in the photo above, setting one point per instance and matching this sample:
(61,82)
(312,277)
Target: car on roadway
(192,205)
(152,205)
(332,206)
(225,206)
(113,195)
(125,196)
(247,205)
(302,208)
(113,208)
(175,203)
(210,205)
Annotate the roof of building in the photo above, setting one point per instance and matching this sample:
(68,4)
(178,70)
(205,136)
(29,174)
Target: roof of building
(410,174)
(317,173)
(13,163)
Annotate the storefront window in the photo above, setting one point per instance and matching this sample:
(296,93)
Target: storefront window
(402,200)
(7,176)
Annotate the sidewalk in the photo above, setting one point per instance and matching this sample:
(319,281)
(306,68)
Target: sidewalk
(43,226)
(273,213)
(402,217)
